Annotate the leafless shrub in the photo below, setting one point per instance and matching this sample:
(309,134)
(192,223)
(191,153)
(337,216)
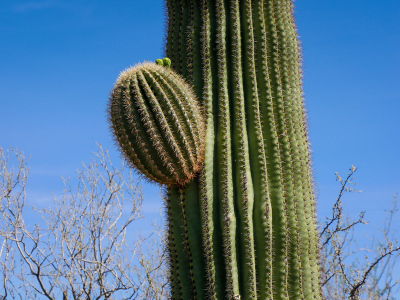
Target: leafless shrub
(344,276)
(80,250)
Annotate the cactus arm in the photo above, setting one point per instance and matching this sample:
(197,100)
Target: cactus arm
(153,116)
(158,124)
(187,138)
(128,129)
(172,132)
(152,131)
(184,113)
(123,131)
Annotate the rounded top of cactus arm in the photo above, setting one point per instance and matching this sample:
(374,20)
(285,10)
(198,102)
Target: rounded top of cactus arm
(157,124)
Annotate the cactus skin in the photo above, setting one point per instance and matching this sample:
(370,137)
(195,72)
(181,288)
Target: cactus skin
(252,207)
(157,123)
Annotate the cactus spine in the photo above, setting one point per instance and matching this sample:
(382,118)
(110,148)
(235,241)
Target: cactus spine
(246,226)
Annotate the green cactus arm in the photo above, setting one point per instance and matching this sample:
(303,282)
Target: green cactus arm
(127,127)
(157,120)
(166,144)
(155,133)
(184,113)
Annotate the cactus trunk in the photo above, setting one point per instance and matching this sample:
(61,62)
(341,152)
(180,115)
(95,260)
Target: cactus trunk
(246,225)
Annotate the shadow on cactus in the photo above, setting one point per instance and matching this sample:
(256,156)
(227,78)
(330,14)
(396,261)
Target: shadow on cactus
(157,123)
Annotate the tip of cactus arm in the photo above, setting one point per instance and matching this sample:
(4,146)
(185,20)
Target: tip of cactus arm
(125,74)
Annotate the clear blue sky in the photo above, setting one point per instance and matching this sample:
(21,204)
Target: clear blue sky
(59,60)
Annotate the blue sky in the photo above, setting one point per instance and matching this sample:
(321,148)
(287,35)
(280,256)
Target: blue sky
(59,60)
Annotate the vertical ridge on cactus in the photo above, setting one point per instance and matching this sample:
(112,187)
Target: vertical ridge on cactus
(256,208)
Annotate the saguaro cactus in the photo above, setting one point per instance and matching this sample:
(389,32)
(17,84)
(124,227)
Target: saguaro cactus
(254,196)
(245,226)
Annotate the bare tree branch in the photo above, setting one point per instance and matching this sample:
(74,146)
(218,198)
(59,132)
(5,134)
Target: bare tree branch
(368,280)
(80,249)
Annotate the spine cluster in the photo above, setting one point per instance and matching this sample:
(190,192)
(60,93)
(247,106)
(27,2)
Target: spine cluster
(158,124)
